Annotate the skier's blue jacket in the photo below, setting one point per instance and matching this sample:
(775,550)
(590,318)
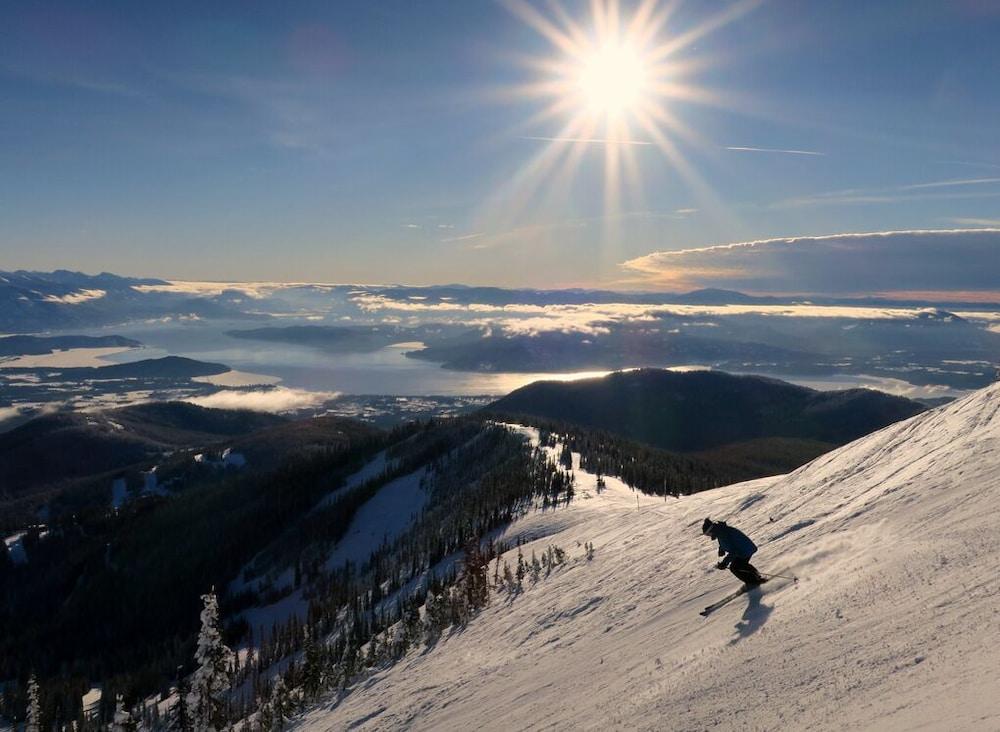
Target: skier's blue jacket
(733,542)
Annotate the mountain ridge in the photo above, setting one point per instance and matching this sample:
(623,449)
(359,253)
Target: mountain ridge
(703,410)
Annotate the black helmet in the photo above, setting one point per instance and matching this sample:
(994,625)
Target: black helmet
(706,527)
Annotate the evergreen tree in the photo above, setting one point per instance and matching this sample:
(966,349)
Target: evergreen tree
(411,628)
(458,606)
(349,659)
(475,576)
(280,706)
(508,578)
(536,568)
(566,457)
(181,713)
(437,614)
(33,721)
(265,716)
(210,681)
(312,669)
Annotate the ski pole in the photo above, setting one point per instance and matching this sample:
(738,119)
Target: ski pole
(783,576)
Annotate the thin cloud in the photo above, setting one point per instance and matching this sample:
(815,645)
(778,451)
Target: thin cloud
(907,192)
(876,262)
(950,183)
(588,140)
(969,164)
(465,237)
(988,223)
(736,148)
(529,233)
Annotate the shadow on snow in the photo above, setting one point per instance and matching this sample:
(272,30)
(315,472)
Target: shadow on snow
(754,616)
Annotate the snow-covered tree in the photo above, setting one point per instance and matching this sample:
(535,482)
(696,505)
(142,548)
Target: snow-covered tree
(280,707)
(33,722)
(437,615)
(123,721)
(181,713)
(211,679)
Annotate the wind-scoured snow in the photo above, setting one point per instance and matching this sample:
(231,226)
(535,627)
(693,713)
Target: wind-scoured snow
(894,624)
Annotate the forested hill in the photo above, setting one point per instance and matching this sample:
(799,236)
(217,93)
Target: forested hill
(703,410)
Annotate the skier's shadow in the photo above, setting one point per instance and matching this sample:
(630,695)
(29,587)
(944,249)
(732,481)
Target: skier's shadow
(754,616)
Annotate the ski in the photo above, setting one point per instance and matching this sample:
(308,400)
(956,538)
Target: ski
(726,600)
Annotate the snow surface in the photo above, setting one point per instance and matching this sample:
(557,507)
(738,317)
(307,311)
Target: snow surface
(894,624)
(15,547)
(372,469)
(383,519)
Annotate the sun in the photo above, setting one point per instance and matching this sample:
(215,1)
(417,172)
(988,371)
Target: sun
(613,80)
(621,78)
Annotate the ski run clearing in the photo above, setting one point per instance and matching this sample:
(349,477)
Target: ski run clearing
(894,624)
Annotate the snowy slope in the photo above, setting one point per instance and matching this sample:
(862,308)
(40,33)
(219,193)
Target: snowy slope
(381,520)
(894,625)
(386,516)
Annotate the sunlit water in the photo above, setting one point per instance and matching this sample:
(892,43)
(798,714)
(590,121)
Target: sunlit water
(386,371)
(389,370)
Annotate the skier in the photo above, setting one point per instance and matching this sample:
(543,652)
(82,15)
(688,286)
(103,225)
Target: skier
(736,548)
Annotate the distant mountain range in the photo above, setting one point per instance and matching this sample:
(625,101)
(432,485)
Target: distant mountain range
(706,410)
(32,302)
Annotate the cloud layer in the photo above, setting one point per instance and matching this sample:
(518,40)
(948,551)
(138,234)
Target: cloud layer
(276,399)
(881,262)
(600,318)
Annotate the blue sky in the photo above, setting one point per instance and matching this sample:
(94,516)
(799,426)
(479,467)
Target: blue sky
(377,141)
